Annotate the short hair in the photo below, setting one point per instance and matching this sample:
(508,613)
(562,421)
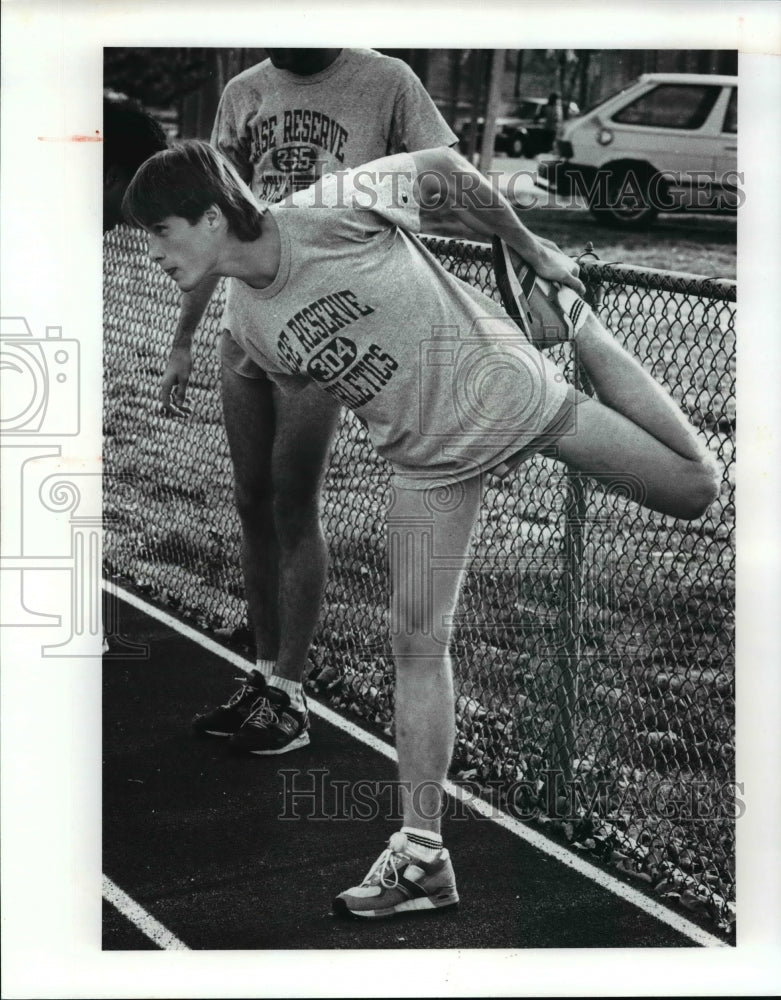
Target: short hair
(130,134)
(187,179)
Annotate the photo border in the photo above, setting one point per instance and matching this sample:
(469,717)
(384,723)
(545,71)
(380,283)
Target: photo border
(51,191)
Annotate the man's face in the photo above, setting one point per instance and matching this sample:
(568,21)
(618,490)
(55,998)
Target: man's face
(185,251)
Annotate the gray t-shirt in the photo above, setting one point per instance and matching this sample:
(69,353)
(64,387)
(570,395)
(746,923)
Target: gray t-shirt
(446,384)
(283,131)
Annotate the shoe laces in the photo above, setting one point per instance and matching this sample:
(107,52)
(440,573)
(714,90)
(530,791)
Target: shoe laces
(238,696)
(262,714)
(387,869)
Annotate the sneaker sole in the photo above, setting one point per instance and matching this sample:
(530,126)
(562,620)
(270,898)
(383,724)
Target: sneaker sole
(211,732)
(296,744)
(425,903)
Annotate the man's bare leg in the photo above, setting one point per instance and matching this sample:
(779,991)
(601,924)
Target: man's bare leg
(428,541)
(279,447)
(248,412)
(306,424)
(635,431)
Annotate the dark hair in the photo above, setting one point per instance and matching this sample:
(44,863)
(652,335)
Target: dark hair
(130,135)
(185,180)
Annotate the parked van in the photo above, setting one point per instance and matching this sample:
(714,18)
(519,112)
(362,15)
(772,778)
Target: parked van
(667,143)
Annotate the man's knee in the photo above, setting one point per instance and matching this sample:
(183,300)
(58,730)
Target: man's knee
(418,631)
(296,511)
(253,501)
(702,487)
(291,507)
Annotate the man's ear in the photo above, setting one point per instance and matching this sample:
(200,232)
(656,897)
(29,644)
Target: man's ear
(213,216)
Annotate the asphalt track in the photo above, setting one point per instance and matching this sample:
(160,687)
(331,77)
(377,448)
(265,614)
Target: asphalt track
(197,838)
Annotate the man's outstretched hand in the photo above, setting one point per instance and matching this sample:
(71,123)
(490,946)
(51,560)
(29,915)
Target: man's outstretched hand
(553,264)
(173,388)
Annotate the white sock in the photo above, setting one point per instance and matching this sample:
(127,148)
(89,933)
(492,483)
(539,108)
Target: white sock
(423,844)
(293,689)
(266,667)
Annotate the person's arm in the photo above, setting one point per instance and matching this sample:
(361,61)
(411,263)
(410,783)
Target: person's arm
(447,178)
(173,388)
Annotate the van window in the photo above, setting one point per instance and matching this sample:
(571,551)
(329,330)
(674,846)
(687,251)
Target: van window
(593,105)
(731,117)
(671,105)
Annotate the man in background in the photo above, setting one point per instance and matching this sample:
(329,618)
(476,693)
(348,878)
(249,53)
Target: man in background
(283,124)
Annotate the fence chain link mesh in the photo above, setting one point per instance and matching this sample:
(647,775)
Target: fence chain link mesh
(593,649)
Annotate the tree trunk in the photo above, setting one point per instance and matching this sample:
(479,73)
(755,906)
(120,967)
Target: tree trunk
(492,109)
(478,63)
(454,58)
(518,72)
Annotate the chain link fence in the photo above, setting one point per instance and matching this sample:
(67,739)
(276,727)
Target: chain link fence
(593,650)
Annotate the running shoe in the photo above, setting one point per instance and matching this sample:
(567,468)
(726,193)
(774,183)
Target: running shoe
(272,727)
(397,882)
(547,312)
(227,719)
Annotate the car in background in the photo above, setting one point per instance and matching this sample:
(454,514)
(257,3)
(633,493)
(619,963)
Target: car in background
(521,132)
(667,143)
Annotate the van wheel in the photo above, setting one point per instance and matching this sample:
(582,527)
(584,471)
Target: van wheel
(625,201)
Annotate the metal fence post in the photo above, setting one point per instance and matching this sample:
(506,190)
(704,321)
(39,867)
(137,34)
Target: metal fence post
(571,617)
(564,730)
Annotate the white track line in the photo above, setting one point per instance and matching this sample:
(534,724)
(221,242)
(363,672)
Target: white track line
(602,878)
(138,916)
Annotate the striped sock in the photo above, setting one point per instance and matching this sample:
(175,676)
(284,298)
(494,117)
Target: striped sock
(423,844)
(293,689)
(266,667)
(574,309)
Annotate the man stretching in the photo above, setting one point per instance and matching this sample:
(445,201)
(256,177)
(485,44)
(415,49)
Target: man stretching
(334,294)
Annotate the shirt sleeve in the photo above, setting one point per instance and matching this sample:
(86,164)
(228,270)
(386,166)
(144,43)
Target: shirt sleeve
(377,195)
(417,122)
(229,138)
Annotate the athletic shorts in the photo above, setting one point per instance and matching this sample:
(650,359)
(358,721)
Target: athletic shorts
(235,358)
(562,422)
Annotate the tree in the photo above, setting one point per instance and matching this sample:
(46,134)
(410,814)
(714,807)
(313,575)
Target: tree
(571,70)
(156,77)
